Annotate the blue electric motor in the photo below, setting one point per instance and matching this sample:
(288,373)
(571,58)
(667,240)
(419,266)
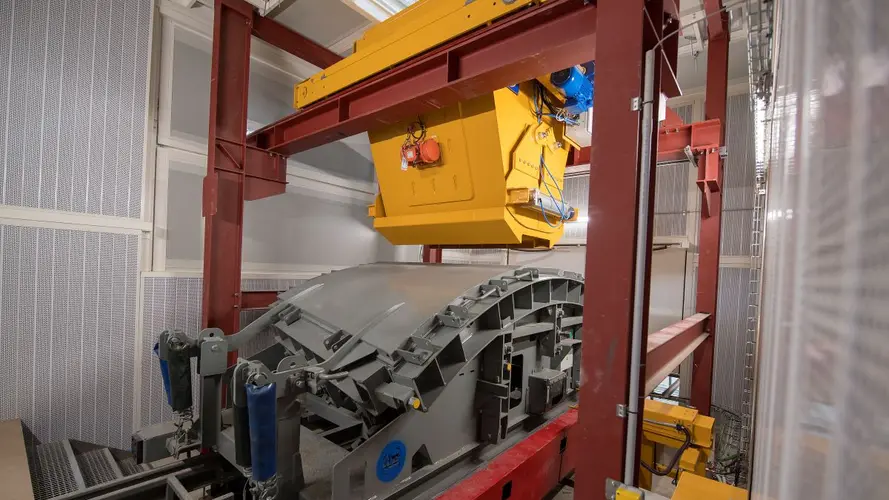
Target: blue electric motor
(576,84)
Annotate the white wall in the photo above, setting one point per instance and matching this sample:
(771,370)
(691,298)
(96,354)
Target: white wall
(320,223)
(74,214)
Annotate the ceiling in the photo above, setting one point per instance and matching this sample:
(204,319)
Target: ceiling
(332,23)
(692,64)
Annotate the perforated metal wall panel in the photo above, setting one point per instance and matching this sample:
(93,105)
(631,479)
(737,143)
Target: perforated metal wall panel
(67,330)
(671,197)
(731,324)
(671,200)
(73,103)
(577,194)
(176,303)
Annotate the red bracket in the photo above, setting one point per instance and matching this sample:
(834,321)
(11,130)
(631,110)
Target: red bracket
(698,142)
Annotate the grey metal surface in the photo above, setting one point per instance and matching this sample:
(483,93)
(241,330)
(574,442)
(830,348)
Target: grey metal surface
(420,356)
(98,466)
(53,470)
(352,298)
(128,466)
(422,334)
(83,152)
(67,313)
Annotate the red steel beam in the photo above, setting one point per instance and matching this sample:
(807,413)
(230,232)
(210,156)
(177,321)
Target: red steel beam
(432,254)
(668,347)
(284,38)
(579,156)
(703,138)
(258,299)
(539,40)
(672,120)
(235,171)
(527,471)
(717,24)
(614,181)
(711,218)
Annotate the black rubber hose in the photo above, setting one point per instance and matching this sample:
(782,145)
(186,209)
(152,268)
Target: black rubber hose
(654,469)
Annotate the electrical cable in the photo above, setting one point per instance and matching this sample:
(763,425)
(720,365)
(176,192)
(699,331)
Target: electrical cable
(685,444)
(560,207)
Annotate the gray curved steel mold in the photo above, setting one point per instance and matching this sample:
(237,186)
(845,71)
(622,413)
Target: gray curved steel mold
(449,336)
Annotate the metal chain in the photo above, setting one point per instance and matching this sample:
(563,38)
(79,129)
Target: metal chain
(184,422)
(264,490)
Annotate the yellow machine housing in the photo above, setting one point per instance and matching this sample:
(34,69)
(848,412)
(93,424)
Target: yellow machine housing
(481,191)
(488,185)
(655,433)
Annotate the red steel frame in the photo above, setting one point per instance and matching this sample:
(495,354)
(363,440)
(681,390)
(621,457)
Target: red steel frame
(537,40)
(710,181)
(236,171)
(432,254)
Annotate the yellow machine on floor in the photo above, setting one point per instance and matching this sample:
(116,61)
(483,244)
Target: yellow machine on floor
(677,428)
(485,172)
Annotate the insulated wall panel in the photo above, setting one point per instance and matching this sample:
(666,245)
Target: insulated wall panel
(73,91)
(67,332)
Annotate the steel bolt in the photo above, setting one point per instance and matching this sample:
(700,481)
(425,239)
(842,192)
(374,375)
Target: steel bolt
(214,348)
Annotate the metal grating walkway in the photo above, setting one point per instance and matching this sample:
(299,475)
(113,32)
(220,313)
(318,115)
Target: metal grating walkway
(98,466)
(54,470)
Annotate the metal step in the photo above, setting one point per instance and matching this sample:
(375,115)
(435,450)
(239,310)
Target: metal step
(98,466)
(128,466)
(54,470)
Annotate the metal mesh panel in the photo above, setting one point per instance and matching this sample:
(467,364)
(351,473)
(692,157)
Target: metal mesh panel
(736,231)
(671,197)
(176,303)
(72,105)
(51,473)
(67,324)
(728,369)
(740,164)
(577,194)
(97,467)
(822,395)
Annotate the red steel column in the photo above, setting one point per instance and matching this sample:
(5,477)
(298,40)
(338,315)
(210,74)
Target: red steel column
(224,191)
(711,219)
(624,34)
(236,172)
(431,254)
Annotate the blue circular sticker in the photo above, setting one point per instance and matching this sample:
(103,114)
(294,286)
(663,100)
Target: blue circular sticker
(391,461)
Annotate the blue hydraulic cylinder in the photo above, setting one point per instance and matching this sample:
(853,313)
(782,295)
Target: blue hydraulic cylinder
(576,84)
(165,375)
(262,414)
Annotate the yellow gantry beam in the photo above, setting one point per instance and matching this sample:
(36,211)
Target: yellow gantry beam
(419,28)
